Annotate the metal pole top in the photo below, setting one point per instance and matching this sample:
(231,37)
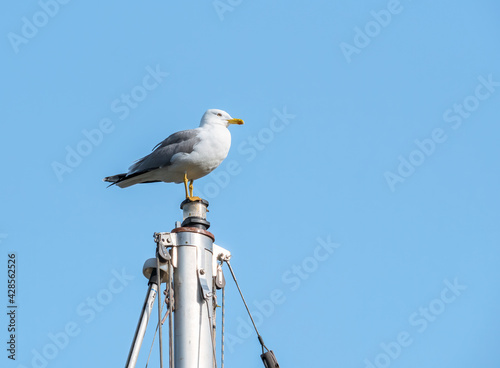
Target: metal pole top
(194,214)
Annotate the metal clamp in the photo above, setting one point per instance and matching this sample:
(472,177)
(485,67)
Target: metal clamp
(205,289)
(219,254)
(164,241)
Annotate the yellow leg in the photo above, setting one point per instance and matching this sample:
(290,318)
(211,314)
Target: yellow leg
(189,195)
(186,184)
(191,188)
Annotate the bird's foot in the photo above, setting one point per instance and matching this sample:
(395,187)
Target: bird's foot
(193,198)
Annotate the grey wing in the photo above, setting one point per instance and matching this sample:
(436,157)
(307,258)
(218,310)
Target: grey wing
(180,142)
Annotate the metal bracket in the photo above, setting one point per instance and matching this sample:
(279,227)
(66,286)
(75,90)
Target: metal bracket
(164,241)
(205,289)
(219,254)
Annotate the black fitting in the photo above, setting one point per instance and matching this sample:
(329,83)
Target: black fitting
(153,279)
(269,360)
(196,222)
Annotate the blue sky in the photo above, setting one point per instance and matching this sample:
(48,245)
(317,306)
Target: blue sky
(359,200)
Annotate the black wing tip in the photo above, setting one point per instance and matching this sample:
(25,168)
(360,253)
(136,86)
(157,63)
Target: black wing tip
(108,180)
(114,179)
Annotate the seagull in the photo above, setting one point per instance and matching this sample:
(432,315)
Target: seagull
(184,156)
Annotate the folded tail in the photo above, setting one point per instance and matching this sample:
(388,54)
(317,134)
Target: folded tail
(126,180)
(114,179)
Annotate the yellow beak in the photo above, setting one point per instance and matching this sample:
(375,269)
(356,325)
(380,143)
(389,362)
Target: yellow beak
(236,121)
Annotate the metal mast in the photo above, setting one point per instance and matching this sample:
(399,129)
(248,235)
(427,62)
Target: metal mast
(192,260)
(189,253)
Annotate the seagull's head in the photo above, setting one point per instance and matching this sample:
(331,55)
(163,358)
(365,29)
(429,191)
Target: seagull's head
(218,117)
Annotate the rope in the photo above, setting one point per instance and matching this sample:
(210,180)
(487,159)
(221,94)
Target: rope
(169,300)
(158,277)
(153,342)
(167,313)
(222,328)
(212,335)
(170,320)
(261,341)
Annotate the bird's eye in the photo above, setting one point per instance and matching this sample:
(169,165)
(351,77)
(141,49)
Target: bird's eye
(219,114)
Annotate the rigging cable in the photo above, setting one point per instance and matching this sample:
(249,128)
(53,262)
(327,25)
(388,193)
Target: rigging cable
(153,341)
(211,327)
(261,341)
(171,315)
(169,301)
(158,276)
(222,327)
